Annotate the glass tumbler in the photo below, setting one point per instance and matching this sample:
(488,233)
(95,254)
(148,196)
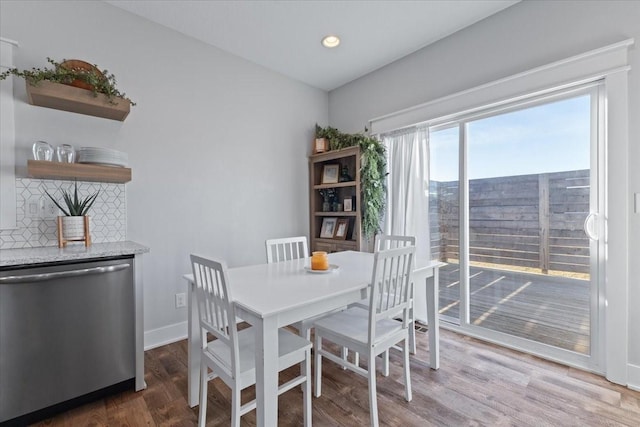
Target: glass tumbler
(42,150)
(66,153)
(319,261)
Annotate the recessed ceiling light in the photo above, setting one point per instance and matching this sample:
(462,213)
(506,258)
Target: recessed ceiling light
(330,41)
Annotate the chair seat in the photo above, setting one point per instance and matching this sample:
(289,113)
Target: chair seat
(308,322)
(291,351)
(352,325)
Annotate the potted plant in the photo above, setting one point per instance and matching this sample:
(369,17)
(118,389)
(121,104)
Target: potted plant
(73,73)
(74,226)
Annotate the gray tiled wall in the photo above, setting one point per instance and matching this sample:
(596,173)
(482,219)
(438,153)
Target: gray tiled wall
(108,216)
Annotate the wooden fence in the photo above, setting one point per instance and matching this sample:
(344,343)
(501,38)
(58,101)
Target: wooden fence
(528,220)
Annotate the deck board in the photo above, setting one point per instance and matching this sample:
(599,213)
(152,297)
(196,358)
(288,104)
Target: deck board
(548,309)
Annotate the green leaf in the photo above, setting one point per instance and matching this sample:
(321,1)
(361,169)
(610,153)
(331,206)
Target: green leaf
(76,206)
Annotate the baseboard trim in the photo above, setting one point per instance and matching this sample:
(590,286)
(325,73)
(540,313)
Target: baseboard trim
(633,375)
(165,335)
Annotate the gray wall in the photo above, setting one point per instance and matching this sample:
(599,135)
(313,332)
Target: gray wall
(524,36)
(218,146)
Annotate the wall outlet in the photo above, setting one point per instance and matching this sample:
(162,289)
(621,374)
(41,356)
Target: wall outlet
(32,208)
(50,210)
(181,300)
(40,208)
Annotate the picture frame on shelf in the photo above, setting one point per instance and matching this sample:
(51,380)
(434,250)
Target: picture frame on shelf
(342,225)
(328,227)
(330,174)
(348,204)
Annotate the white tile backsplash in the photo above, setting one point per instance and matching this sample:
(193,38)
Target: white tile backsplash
(108,215)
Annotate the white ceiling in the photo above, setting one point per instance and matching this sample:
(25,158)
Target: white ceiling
(284,36)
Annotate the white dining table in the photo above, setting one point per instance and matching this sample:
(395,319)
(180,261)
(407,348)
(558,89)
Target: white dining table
(270,296)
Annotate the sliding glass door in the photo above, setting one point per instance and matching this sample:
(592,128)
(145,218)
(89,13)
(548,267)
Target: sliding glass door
(444,218)
(516,191)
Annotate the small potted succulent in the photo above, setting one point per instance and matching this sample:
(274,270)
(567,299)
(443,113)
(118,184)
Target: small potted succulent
(74,226)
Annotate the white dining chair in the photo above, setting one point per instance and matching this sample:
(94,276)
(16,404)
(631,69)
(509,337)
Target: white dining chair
(231,356)
(372,332)
(384,242)
(285,249)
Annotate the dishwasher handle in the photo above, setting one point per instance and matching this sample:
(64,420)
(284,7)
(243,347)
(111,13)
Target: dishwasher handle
(63,274)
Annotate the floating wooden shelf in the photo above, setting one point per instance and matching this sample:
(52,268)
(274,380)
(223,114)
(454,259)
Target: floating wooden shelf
(79,171)
(82,101)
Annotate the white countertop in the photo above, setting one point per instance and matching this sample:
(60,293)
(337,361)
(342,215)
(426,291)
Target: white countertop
(27,256)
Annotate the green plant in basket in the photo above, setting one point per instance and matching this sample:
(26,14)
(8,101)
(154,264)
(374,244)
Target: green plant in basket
(76,206)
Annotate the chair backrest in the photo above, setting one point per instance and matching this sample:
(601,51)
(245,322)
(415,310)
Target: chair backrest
(385,241)
(286,249)
(215,307)
(391,286)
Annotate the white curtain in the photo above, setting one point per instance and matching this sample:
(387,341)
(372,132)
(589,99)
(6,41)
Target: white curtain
(407,209)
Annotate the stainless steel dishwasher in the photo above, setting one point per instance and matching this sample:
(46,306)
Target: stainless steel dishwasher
(66,335)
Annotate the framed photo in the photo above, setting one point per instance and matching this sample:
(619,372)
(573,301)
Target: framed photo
(348,206)
(328,228)
(341,229)
(330,174)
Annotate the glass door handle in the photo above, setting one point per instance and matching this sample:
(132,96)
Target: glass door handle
(589,225)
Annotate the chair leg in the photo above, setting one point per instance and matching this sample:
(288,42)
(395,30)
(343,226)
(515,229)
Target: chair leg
(345,356)
(305,333)
(373,393)
(236,403)
(407,376)
(306,391)
(412,334)
(204,378)
(385,363)
(318,364)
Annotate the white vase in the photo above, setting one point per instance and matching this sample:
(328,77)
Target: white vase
(73,227)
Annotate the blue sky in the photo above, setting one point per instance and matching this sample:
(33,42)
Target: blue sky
(552,137)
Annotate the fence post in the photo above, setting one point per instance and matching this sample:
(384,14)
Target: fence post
(543,219)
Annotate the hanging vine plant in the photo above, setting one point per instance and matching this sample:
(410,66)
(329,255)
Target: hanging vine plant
(372,173)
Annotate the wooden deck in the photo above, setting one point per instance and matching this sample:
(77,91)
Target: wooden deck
(548,309)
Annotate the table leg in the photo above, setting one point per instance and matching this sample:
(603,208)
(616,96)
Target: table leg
(193,350)
(434,319)
(266,372)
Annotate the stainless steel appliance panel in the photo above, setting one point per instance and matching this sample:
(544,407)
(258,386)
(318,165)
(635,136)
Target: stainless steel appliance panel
(65,331)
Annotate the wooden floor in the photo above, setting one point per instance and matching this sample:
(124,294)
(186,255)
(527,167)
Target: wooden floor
(478,384)
(549,309)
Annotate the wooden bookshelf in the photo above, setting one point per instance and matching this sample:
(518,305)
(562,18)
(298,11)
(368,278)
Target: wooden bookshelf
(349,157)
